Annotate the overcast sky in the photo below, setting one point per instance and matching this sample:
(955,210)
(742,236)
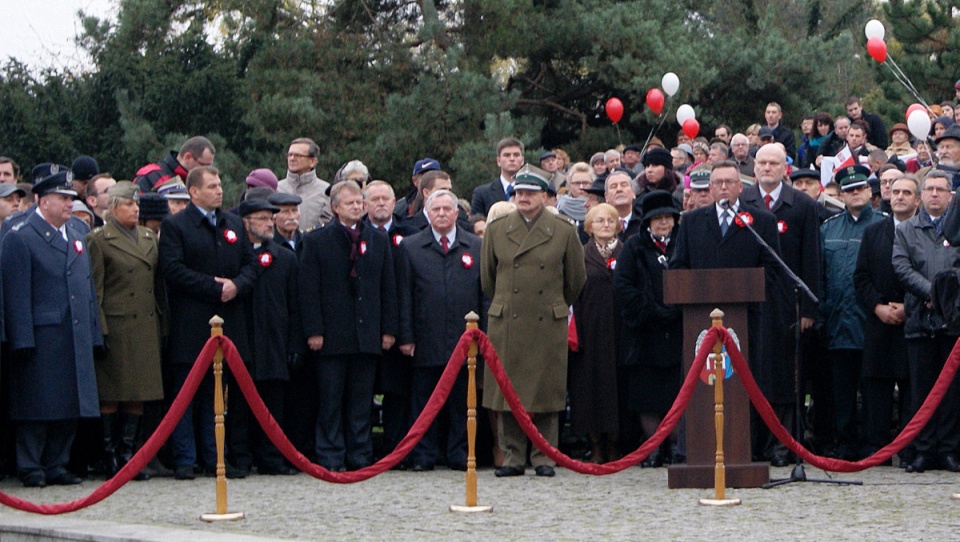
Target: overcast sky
(41,33)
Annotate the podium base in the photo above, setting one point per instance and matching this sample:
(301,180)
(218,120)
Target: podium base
(745,475)
(719,502)
(229,516)
(470,509)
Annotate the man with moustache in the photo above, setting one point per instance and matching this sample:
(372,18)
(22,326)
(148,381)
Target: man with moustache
(884,348)
(286,220)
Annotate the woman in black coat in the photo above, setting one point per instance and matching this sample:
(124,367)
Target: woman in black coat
(592,382)
(652,331)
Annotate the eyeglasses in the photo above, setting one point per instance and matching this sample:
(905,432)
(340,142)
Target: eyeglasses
(581,183)
(601,220)
(935,189)
(725,182)
(298,156)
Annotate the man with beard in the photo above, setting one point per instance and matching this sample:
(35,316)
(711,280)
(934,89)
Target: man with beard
(276,339)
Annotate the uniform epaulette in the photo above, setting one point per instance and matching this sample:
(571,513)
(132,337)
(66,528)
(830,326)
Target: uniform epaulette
(567,219)
(18,226)
(834,217)
(96,230)
(496,218)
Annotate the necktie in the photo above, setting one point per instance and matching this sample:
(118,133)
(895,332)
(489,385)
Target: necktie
(724,222)
(768,199)
(381,228)
(212,218)
(661,245)
(936,224)
(623,225)
(445,244)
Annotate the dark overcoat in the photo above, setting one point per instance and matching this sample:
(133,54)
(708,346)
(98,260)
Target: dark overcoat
(436,291)
(593,370)
(351,313)
(132,307)
(485,195)
(798,227)
(532,275)
(50,306)
(275,327)
(192,253)
(884,345)
(700,245)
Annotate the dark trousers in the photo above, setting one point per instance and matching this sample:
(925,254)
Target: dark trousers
(183,442)
(926,358)
(265,454)
(43,447)
(426,451)
(395,383)
(346,400)
(300,408)
(845,365)
(878,409)
(816,378)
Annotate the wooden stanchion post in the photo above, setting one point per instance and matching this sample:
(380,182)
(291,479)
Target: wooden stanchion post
(471,475)
(221,514)
(719,474)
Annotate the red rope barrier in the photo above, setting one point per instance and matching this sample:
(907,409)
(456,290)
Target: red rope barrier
(279,439)
(882,455)
(141,458)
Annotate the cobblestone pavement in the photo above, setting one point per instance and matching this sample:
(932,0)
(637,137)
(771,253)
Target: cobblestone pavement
(632,505)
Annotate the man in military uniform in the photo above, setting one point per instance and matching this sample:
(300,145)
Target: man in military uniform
(52,327)
(532,268)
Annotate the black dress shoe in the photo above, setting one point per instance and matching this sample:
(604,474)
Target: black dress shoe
(184,472)
(921,463)
(282,470)
(34,480)
(949,462)
(654,460)
(64,479)
(456,465)
(507,471)
(419,467)
(545,470)
(235,473)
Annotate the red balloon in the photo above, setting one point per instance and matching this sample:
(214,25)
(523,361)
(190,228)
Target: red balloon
(614,109)
(915,107)
(877,49)
(655,100)
(691,128)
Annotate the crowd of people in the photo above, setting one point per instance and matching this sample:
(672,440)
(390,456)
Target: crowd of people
(340,295)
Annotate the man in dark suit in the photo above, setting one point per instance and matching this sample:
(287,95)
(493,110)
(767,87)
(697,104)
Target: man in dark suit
(799,233)
(348,286)
(439,285)
(877,135)
(711,237)
(394,372)
(286,221)
(510,160)
(619,193)
(209,268)
(884,347)
(52,327)
(276,338)
(773,115)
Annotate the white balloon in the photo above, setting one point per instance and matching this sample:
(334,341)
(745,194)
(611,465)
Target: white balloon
(919,124)
(874,29)
(670,83)
(685,112)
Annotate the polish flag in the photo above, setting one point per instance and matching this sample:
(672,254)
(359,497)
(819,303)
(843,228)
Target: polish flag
(844,159)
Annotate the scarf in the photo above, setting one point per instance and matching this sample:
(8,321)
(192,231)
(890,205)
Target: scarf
(607,249)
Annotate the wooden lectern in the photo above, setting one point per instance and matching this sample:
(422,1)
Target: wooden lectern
(698,292)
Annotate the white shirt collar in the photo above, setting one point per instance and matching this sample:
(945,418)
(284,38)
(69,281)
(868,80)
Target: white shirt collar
(450,236)
(505,183)
(62,229)
(734,206)
(775,193)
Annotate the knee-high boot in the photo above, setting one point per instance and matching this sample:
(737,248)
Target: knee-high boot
(110,466)
(128,436)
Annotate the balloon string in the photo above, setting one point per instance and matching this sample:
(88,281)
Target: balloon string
(662,118)
(904,80)
(620,139)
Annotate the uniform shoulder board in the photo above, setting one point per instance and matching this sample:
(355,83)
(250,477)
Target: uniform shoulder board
(18,226)
(97,230)
(567,219)
(884,214)
(496,218)
(834,217)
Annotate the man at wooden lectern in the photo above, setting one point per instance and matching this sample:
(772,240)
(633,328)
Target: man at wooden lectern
(714,237)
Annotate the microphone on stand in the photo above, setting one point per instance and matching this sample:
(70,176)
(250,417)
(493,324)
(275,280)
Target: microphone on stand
(724,204)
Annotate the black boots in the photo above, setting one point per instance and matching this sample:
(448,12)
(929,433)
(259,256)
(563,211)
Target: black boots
(119,436)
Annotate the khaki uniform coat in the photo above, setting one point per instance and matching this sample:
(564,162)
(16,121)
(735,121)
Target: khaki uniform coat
(130,298)
(532,276)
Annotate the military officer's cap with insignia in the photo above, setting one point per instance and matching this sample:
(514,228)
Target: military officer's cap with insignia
(58,183)
(46,169)
(852,177)
(531,178)
(700,179)
(173,188)
(124,189)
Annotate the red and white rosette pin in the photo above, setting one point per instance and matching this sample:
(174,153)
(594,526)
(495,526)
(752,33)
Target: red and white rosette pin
(467,261)
(363,247)
(265,259)
(781,227)
(230,236)
(611,263)
(742,218)
(78,246)
(397,239)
